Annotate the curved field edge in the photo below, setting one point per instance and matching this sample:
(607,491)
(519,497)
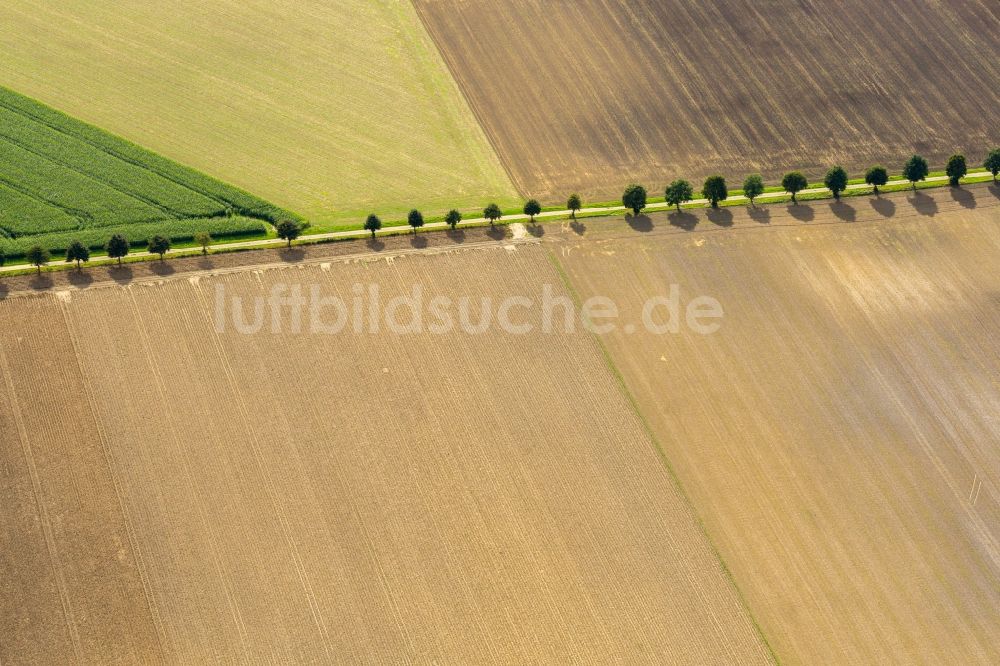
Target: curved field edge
(61,177)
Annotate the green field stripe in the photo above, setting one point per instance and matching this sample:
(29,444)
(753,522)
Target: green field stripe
(121,149)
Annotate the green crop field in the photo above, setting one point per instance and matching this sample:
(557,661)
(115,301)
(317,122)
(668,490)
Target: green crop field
(333,110)
(61,179)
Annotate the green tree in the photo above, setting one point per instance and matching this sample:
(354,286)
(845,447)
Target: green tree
(415,219)
(992,163)
(203,239)
(753,187)
(793,183)
(117,247)
(158,245)
(453,218)
(373,224)
(531,209)
(288,231)
(38,256)
(715,190)
(3,257)
(77,252)
(492,213)
(877,176)
(573,204)
(915,170)
(678,192)
(956,169)
(634,198)
(836,181)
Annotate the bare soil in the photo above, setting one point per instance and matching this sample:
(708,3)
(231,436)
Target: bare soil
(588,95)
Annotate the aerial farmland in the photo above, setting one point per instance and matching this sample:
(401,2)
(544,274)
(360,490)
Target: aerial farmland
(481,332)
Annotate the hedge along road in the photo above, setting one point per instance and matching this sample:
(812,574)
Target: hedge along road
(972,178)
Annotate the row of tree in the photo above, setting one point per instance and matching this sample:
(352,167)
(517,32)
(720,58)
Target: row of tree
(117,247)
(715,189)
(677,193)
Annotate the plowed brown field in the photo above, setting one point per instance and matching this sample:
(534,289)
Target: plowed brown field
(171,493)
(839,433)
(589,94)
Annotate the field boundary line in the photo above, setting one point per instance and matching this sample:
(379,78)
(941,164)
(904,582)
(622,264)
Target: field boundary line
(664,459)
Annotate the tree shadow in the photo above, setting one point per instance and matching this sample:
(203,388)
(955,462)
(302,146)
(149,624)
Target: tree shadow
(884,207)
(4,290)
(722,217)
(536,230)
(80,279)
(923,204)
(418,241)
(375,245)
(801,212)
(456,235)
(497,233)
(760,214)
(844,211)
(639,222)
(292,255)
(121,274)
(40,282)
(162,268)
(994,190)
(964,197)
(578,227)
(683,220)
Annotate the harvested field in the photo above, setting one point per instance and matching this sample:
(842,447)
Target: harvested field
(839,433)
(291,498)
(328,109)
(590,94)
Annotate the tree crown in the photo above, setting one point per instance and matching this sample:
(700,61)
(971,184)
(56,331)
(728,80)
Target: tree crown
(753,186)
(492,212)
(678,192)
(159,244)
(38,256)
(77,251)
(877,176)
(915,169)
(117,246)
(373,223)
(415,218)
(992,161)
(956,168)
(288,230)
(715,189)
(574,203)
(794,182)
(836,180)
(453,218)
(634,198)
(532,207)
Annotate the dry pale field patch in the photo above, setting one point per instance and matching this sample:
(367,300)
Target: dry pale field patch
(839,433)
(588,94)
(183,495)
(330,109)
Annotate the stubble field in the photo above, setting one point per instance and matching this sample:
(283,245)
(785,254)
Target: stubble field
(587,95)
(838,434)
(182,495)
(332,110)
